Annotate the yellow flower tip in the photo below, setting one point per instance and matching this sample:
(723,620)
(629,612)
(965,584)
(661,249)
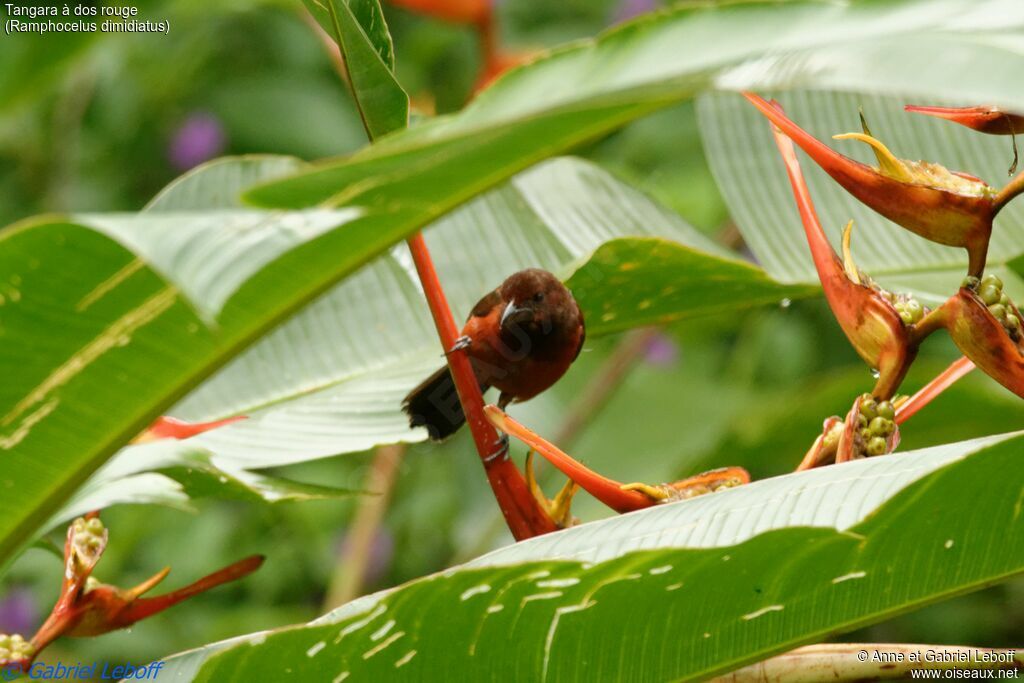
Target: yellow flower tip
(148,584)
(848,264)
(888,164)
(653,492)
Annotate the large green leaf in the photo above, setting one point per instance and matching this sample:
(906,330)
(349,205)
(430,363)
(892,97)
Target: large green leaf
(753,181)
(331,380)
(96,342)
(359,29)
(929,49)
(680,591)
(130,345)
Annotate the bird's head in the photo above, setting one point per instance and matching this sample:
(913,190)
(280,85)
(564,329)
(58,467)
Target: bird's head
(537,299)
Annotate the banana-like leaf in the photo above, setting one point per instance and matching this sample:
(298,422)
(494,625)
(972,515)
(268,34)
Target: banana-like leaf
(172,474)
(135,337)
(753,181)
(925,48)
(331,380)
(108,319)
(680,591)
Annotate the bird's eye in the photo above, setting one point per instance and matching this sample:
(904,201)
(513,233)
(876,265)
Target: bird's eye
(538,297)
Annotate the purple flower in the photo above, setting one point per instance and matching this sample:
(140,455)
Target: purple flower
(199,138)
(662,350)
(18,612)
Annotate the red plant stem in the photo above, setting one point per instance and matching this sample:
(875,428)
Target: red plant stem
(606,490)
(1009,191)
(939,383)
(523,514)
(487,29)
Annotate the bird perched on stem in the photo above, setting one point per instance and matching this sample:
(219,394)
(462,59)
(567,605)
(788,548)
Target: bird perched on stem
(521,338)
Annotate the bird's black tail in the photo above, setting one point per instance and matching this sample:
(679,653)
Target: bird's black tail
(434,404)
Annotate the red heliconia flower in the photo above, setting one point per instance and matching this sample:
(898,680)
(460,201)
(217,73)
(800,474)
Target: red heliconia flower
(619,497)
(951,208)
(987,328)
(984,119)
(87,607)
(823,450)
(879,325)
(869,429)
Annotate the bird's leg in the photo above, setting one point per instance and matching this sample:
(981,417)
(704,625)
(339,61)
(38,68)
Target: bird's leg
(461,343)
(558,508)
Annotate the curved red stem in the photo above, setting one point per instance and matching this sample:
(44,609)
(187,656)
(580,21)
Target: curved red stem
(928,392)
(524,516)
(606,490)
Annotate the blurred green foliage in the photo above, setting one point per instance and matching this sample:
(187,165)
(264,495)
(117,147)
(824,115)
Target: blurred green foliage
(102,124)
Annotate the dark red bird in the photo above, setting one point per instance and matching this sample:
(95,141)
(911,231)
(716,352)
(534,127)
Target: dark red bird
(520,338)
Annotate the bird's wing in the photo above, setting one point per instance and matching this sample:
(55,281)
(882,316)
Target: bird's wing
(485,305)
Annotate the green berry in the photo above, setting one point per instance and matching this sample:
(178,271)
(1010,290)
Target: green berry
(886,410)
(868,408)
(95,526)
(1012,322)
(970,282)
(877,446)
(1004,300)
(862,421)
(865,434)
(880,427)
(79,525)
(998,311)
(989,294)
(992,280)
(905,317)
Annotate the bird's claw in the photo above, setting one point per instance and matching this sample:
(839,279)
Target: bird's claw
(559,508)
(461,343)
(500,452)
